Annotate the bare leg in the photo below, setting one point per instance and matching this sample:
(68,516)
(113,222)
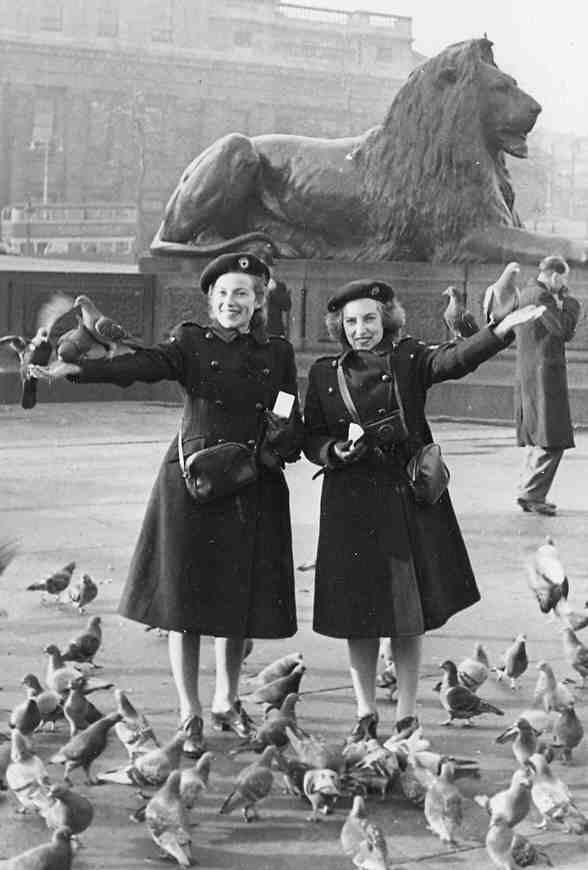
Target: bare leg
(407,657)
(184,656)
(363,664)
(229,656)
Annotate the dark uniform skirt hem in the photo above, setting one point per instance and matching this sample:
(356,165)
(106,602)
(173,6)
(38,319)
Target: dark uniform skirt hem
(206,631)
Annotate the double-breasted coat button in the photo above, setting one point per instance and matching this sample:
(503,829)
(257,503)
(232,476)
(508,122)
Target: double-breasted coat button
(386,377)
(259,406)
(214,364)
(220,440)
(330,390)
(219,403)
(341,421)
(251,443)
(208,335)
(381,411)
(334,364)
(266,372)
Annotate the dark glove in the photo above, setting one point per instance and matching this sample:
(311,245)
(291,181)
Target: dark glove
(283,436)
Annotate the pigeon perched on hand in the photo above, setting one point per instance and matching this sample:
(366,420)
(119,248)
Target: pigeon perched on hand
(443,806)
(83,593)
(511,804)
(56,583)
(524,740)
(84,748)
(39,349)
(460,702)
(546,576)
(84,646)
(576,654)
(103,329)
(253,784)
(550,693)
(168,823)
(503,296)
(362,840)
(514,661)
(56,855)
(460,322)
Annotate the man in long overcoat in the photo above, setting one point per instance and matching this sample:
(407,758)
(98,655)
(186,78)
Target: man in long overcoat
(542,408)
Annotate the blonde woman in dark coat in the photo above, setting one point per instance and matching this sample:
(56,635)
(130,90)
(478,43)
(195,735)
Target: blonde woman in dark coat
(386,566)
(223,568)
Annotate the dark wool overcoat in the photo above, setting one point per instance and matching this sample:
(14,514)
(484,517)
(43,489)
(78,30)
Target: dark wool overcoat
(224,568)
(385,565)
(542,408)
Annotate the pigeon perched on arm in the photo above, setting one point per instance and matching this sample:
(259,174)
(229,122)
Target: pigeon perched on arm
(502,297)
(514,661)
(460,322)
(460,702)
(104,329)
(56,583)
(39,349)
(56,855)
(253,784)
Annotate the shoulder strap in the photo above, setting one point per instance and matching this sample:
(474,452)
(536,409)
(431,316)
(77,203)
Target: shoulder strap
(181,450)
(346,395)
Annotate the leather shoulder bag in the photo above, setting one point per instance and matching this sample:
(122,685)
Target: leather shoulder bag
(218,471)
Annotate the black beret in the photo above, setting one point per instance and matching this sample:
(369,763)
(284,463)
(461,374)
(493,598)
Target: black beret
(371,288)
(242,261)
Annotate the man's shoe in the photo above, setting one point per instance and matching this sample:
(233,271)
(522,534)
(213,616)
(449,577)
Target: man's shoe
(235,719)
(194,744)
(546,508)
(366,728)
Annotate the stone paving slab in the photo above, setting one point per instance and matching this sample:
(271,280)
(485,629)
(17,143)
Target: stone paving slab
(74,481)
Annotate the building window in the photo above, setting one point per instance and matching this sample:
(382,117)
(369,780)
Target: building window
(52,16)
(108,18)
(243,38)
(387,53)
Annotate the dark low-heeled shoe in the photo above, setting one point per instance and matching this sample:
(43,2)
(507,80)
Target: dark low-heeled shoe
(366,728)
(236,719)
(194,744)
(406,727)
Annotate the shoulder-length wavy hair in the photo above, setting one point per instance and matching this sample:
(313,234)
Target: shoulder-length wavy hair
(259,316)
(393,321)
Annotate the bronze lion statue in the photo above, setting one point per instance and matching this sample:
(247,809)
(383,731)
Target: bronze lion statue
(430,183)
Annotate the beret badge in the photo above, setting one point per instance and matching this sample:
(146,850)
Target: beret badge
(244,262)
(375,291)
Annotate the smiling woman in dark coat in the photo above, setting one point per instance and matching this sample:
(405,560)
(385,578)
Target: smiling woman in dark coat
(223,568)
(386,566)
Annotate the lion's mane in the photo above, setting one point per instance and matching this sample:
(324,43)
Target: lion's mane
(429,170)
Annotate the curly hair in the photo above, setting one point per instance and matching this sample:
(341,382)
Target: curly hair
(393,321)
(259,316)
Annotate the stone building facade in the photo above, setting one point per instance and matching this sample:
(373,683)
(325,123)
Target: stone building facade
(108,100)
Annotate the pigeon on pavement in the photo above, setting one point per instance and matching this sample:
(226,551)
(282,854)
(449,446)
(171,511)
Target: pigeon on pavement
(252,785)
(460,702)
(26,775)
(511,804)
(568,732)
(362,840)
(550,693)
(83,593)
(553,798)
(25,717)
(64,807)
(443,806)
(56,855)
(473,672)
(84,646)
(514,661)
(84,748)
(168,823)
(322,788)
(56,583)
(546,576)
(49,703)
(576,654)
(524,740)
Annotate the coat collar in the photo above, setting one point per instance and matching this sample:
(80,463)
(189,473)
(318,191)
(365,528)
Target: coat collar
(258,334)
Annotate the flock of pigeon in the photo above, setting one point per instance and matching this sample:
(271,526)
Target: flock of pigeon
(313,769)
